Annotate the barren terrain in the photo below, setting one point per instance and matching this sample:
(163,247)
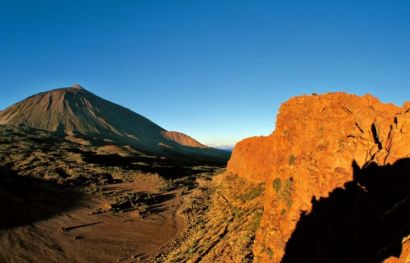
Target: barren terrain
(78,234)
(68,200)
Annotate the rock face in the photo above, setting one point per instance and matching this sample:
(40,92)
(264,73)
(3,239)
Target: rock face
(319,152)
(250,158)
(74,110)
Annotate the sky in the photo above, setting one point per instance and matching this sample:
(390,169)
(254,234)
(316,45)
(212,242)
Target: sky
(215,70)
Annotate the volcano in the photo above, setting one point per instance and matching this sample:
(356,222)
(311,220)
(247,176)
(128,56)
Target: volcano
(78,112)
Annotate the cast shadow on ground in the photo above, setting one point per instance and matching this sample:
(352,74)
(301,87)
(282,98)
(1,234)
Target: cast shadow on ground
(365,222)
(25,200)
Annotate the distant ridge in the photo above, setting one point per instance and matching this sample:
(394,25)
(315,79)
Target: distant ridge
(75,110)
(183,139)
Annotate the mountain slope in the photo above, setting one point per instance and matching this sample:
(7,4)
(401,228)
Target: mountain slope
(182,139)
(74,110)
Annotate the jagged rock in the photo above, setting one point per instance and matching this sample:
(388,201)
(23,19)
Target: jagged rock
(310,154)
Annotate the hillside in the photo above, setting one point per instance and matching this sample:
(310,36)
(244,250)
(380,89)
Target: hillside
(336,170)
(77,112)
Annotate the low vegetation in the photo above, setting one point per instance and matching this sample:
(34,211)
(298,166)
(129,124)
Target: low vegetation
(223,215)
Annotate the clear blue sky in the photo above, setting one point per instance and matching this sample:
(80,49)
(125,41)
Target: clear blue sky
(216,70)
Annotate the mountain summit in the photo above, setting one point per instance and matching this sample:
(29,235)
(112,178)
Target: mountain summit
(75,110)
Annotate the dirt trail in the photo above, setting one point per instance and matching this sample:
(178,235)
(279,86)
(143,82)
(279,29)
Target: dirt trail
(77,236)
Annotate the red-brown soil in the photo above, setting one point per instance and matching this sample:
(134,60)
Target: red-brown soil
(77,235)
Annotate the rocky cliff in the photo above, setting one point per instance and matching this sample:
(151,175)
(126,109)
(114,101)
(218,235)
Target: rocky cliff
(316,160)
(250,158)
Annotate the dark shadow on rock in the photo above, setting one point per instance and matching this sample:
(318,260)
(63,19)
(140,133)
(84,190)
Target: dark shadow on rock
(365,222)
(25,200)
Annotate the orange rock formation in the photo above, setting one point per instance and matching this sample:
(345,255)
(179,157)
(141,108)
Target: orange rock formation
(310,154)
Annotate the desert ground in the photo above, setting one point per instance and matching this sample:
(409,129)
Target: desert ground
(76,200)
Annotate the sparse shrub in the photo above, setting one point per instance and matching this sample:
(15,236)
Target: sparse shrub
(270,253)
(231,177)
(277,184)
(341,145)
(246,238)
(191,250)
(169,185)
(283,212)
(237,211)
(292,159)
(286,193)
(322,131)
(252,194)
(256,220)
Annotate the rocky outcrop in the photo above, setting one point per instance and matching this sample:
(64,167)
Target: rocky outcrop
(310,155)
(250,158)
